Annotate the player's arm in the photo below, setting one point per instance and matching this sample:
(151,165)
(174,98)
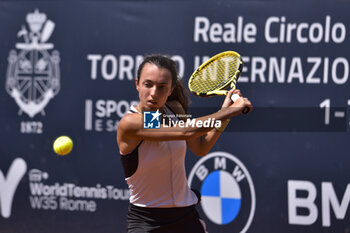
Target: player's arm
(130,129)
(130,133)
(202,145)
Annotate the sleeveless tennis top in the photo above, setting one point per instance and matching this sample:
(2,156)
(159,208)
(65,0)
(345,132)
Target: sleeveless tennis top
(155,173)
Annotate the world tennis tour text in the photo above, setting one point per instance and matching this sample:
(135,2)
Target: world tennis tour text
(71,197)
(277,29)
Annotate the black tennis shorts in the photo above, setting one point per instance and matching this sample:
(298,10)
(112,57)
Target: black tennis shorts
(163,220)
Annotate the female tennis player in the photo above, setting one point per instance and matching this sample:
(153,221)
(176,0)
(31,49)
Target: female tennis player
(153,159)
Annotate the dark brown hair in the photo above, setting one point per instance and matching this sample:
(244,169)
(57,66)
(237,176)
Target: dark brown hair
(179,93)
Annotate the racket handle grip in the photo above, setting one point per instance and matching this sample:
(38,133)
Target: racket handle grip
(245,110)
(234,98)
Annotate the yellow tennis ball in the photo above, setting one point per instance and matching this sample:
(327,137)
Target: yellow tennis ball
(63,145)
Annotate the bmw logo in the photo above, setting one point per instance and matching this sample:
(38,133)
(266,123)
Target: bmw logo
(228,194)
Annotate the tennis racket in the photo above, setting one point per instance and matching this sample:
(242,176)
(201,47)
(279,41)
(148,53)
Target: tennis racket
(216,74)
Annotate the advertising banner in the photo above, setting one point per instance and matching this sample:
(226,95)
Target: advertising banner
(69,68)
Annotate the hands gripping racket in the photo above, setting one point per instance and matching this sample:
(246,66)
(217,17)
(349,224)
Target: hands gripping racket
(216,74)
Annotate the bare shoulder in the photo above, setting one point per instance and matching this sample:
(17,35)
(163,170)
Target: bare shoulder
(130,121)
(128,125)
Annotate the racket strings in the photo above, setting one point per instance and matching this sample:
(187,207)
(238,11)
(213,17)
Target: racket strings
(215,75)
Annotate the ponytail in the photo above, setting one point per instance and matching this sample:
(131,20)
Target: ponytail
(180,94)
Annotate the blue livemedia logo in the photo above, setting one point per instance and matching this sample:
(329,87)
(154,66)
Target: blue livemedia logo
(151,119)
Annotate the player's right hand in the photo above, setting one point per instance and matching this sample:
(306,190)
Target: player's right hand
(243,105)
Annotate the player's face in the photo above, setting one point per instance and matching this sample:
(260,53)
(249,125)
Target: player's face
(154,87)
